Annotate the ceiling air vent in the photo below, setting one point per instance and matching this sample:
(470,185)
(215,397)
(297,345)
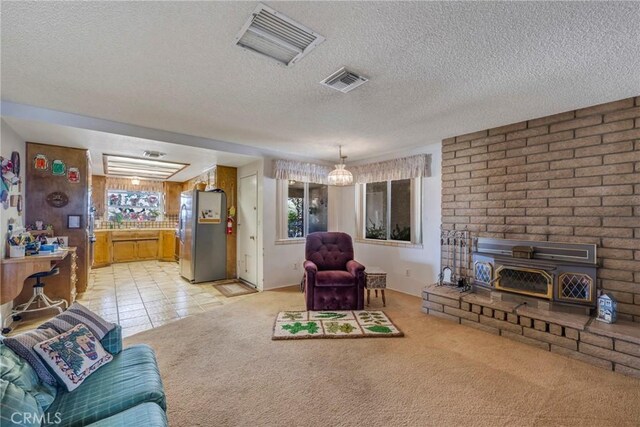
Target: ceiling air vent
(344,80)
(273,34)
(153,154)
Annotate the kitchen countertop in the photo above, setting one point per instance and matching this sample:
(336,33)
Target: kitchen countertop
(102,230)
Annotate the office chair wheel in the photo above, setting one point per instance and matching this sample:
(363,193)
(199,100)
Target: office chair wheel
(6,330)
(16,317)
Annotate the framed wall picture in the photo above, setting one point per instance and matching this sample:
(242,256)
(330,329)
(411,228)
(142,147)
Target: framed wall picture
(73,221)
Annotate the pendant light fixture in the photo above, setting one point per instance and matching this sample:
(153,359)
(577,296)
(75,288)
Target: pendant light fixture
(340,176)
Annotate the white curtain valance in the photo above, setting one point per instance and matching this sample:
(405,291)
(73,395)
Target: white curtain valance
(126,185)
(299,171)
(389,170)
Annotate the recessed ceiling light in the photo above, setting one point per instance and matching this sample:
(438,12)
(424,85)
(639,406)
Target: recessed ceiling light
(277,36)
(140,168)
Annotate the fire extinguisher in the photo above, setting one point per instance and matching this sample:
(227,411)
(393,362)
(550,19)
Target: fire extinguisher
(229,225)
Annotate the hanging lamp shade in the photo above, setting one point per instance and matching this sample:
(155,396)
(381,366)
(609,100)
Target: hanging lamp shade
(340,176)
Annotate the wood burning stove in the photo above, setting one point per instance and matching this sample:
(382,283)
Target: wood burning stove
(564,273)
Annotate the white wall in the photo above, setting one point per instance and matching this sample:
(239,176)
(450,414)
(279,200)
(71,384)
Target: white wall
(423,263)
(279,260)
(276,265)
(279,265)
(10,142)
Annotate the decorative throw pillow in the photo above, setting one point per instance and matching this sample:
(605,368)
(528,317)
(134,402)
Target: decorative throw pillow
(77,314)
(73,356)
(23,344)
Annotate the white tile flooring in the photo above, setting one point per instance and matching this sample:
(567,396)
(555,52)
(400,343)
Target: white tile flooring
(143,295)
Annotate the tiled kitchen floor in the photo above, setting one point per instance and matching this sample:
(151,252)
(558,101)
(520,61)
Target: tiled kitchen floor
(143,295)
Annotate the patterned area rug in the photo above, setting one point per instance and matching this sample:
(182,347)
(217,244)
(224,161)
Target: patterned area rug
(333,324)
(233,288)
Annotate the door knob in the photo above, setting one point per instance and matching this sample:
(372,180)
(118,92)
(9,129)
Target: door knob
(252,237)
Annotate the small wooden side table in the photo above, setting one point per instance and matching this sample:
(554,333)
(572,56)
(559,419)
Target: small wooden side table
(375,278)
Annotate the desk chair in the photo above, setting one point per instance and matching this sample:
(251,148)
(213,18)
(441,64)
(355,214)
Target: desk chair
(37,297)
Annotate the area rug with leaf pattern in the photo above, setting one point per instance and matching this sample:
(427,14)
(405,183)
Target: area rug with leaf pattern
(333,324)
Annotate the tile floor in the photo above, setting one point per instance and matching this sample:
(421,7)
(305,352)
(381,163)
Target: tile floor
(143,295)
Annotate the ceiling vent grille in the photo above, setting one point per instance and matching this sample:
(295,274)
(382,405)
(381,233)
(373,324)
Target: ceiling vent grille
(344,80)
(273,34)
(153,154)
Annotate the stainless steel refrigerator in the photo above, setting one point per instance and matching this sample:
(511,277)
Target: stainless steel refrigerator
(203,238)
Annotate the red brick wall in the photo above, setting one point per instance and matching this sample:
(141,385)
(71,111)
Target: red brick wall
(570,177)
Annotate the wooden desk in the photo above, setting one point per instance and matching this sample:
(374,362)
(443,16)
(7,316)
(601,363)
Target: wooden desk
(16,270)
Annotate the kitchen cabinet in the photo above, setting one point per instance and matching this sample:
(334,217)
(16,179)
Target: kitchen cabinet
(124,251)
(172,192)
(134,245)
(102,250)
(167,245)
(147,249)
(113,246)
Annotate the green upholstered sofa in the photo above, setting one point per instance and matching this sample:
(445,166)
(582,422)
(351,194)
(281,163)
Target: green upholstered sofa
(125,392)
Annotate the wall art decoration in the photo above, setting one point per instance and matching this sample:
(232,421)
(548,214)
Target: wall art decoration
(73,221)
(73,175)
(40,162)
(58,167)
(15,160)
(57,199)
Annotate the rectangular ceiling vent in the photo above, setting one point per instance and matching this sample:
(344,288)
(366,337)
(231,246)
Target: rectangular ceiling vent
(153,154)
(277,36)
(344,80)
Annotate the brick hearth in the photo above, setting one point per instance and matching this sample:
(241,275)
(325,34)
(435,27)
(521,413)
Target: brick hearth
(572,177)
(613,347)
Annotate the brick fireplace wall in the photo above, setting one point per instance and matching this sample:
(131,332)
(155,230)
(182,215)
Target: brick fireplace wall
(571,177)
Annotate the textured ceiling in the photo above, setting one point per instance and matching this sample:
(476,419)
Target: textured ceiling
(436,69)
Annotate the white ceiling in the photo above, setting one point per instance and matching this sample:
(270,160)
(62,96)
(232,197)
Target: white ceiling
(436,69)
(199,159)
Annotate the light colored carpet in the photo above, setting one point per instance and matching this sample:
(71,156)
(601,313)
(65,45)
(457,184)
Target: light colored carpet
(221,368)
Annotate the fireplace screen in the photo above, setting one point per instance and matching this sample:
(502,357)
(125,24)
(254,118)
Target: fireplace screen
(575,287)
(483,272)
(525,281)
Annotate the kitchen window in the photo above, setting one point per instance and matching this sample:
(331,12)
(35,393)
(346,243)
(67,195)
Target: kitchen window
(303,209)
(125,205)
(391,211)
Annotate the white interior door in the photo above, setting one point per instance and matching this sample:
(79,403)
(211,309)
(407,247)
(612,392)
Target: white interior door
(248,229)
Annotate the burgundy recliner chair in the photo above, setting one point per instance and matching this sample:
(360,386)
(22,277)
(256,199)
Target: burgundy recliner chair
(333,280)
